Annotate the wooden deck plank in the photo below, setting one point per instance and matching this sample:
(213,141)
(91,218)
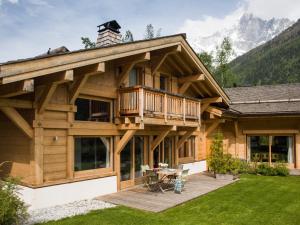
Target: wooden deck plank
(139,197)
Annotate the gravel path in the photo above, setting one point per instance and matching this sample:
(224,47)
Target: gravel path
(67,210)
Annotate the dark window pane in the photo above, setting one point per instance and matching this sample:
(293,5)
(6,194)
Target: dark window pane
(139,155)
(83,109)
(259,148)
(163,83)
(282,149)
(133,77)
(92,153)
(92,110)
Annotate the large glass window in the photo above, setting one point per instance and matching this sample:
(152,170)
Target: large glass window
(163,83)
(187,151)
(271,148)
(259,146)
(135,77)
(93,110)
(282,149)
(92,153)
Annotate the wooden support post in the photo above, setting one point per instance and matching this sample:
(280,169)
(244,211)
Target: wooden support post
(17,88)
(150,152)
(212,127)
(181,141)
(176,153)
(141,103)
(79,83)
(39,155)
(117,162)
(166,108)
(236,134)
(18,120)
(184,87)
(184,108)
(159,138)
(297,149)
(124,140)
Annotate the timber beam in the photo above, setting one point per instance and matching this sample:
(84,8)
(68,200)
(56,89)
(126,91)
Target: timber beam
(184,87)
(214,111)
(51,85)
(18,120)
(156,64)
(160,137)
(213,126)
(17,88)
(192,78)
(211,100)
(81,80)
(126,68)
(124,140)
(16,103)
(58,78)
(183,139)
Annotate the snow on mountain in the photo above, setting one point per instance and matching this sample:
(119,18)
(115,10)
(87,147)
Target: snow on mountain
(245,34)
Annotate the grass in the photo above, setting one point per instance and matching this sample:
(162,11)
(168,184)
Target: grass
(252,200)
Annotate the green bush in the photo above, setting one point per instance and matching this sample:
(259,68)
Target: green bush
(278,169)
(12,208)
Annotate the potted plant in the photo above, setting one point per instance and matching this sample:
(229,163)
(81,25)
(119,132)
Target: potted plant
(221,164)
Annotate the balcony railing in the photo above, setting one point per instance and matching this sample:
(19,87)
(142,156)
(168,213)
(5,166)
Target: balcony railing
(145,101)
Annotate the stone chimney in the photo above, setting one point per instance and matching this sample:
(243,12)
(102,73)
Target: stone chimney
(108,34)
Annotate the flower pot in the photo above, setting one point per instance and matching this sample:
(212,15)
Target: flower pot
(224,176)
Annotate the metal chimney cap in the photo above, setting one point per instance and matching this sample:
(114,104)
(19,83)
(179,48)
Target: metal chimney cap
(111,25)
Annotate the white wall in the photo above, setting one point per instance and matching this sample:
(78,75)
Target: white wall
(66,193)
(195,167)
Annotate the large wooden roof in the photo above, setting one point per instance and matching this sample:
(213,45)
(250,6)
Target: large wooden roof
(30,68)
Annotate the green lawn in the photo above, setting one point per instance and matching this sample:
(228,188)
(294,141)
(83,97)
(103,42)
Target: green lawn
(252,200)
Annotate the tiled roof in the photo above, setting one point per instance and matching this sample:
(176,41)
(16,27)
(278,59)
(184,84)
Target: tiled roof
(267,99)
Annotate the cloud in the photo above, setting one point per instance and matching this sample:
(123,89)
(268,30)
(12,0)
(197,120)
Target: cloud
(9,1)
(265,9)
(268,9)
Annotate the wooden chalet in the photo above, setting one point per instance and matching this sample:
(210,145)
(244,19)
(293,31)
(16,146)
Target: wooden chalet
(76,125)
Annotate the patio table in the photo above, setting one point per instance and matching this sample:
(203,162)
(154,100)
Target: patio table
(166,176)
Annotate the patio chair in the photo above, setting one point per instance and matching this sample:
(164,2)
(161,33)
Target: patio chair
(184,175)
(144,168)
(152,181)
(180,167)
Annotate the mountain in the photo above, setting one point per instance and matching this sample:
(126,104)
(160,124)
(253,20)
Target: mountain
(277,61)
(246,33)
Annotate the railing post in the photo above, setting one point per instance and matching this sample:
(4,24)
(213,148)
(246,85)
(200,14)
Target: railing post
(184,108)
(119,104)
(199,113)
(141,103)
(166,107)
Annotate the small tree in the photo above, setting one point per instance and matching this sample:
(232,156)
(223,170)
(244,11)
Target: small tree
(88,43)
(150,32)
(216,160)
(12,208)
(128,37)
(207,59)
(223,74)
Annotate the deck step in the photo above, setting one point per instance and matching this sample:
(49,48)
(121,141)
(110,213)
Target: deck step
(295,172)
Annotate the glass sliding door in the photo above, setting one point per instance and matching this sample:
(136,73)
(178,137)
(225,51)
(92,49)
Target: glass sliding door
(268,148)
(259,147)
(131,159)
(282,149)
(126,162)
(139,155)
(168,151)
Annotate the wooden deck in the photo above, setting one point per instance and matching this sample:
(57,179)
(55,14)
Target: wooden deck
(139,197)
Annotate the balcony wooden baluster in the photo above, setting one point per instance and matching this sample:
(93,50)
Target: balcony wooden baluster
(144,101)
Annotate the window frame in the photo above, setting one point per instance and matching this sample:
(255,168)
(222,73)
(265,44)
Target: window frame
(270,137)
(96,98)
(97,171)
(191,141)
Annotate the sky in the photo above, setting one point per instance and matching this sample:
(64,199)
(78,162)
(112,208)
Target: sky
(30,27)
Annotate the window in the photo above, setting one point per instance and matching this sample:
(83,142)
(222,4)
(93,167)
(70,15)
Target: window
(271,148)
(135,77)
(187,151)
(93,110)
(92,153)
(163,82)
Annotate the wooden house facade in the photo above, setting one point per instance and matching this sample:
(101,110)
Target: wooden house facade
(76,125)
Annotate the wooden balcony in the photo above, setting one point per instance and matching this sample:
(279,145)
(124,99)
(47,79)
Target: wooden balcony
(147,102)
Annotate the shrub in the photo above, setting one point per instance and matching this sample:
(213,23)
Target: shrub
(278,169)
(12,208)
